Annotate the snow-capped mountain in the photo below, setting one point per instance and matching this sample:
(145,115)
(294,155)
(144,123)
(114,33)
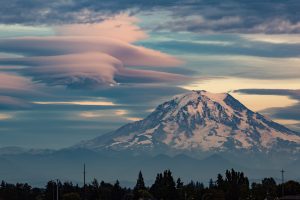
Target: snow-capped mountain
(200,121)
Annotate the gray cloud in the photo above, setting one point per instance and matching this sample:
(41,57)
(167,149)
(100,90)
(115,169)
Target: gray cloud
(236,16)
(234,55)
(11,103)
(236,46)
(196,16)
(290,112)
(295,94)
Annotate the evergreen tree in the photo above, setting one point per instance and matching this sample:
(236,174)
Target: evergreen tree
(140,191)
(211,184)
(179,183)
(117,192)
(220,180)
(140,185)
(164,186)
(235,185)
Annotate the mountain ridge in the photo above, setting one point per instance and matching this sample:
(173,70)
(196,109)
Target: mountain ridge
(200,121)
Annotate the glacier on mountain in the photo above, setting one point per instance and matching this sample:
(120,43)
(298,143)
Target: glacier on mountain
(200,121)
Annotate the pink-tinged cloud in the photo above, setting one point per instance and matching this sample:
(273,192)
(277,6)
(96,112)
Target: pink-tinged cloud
(11,82)
(151,76)
(7,102)
(73,70)
(120,27)
(86,70)
(128,54)
(89,55)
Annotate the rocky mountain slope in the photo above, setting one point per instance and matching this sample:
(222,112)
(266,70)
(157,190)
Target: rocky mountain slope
(200,121)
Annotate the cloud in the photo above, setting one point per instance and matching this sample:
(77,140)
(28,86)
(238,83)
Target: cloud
(233,55)
(89,115)
(233,16)
(5,116)
(80,103)
(73,70)
(90,55)
(11,103)
(185,15)
(275,38)
(111,28)
(230,24)
(198,23)
(9,81)
(277,26)
(86,70)
(227,45)
(129,54)
(13,88)
(295,94)
(288,113)
(134,118)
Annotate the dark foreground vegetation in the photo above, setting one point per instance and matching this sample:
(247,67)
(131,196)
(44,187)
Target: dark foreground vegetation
(231,186)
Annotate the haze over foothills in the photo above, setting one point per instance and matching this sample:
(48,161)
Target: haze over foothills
(73,70)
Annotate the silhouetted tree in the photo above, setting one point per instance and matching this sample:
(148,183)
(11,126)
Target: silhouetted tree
(290,188)
(117,191)
(264,190)
(140,191)
(140,185)
(164,186)
(232,186)
(235,185)
(211,184)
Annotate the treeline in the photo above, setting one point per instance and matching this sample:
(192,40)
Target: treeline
(232,185)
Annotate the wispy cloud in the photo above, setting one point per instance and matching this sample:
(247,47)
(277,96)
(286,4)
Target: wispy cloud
(89,115)
(4,116)
(274,38)
(83,103)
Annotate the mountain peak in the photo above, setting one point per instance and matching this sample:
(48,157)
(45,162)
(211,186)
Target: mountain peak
(202,95)
(197,94)
(200,121)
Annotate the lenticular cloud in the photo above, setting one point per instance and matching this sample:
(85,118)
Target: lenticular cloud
(84,59)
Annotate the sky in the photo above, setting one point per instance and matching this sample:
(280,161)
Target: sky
(73,70)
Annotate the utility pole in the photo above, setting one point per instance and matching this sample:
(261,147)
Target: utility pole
(57,189)
(53,189)
(282,182)
(84,191)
